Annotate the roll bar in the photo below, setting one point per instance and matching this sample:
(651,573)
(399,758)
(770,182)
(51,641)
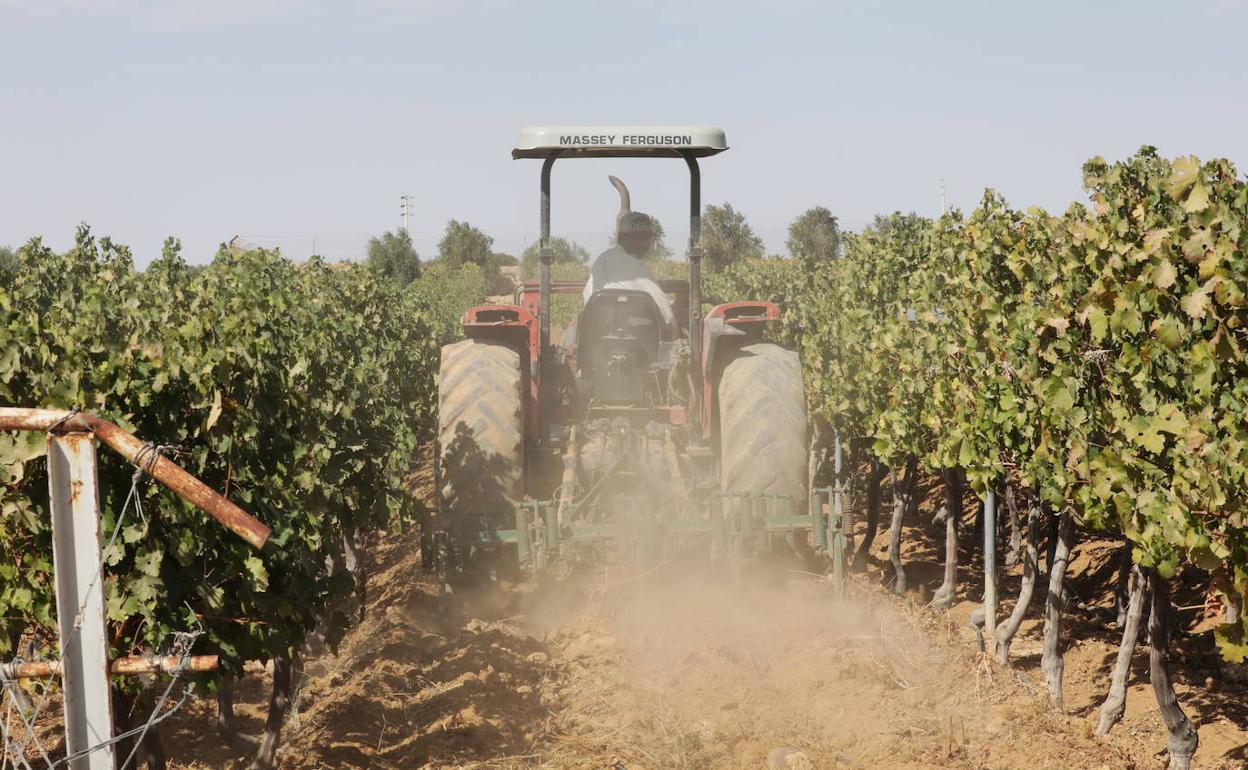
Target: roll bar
(546,256)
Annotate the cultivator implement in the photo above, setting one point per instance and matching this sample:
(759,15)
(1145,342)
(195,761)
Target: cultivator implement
(639,533)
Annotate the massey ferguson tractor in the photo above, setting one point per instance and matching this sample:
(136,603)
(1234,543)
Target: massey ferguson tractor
(632,440)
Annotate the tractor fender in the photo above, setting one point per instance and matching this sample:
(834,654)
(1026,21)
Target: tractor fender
(726,328)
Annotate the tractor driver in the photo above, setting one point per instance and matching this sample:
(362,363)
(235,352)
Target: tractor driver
(621,266)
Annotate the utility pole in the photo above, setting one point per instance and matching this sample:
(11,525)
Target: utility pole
(942,196)
(405,208)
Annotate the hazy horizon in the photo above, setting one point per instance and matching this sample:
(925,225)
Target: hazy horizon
(285,122)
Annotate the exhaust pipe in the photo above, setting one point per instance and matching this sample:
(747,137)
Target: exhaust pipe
(626,203)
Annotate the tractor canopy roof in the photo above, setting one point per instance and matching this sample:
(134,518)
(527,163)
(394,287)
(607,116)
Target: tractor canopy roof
(620,141)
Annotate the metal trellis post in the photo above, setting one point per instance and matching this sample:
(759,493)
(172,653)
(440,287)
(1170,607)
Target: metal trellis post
(837,515)
(990,566)
(75,500)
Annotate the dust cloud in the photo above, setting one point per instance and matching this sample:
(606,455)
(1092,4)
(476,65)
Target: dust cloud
(704,666)
(687,666)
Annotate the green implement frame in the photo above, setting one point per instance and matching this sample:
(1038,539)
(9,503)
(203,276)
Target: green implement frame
(738,526)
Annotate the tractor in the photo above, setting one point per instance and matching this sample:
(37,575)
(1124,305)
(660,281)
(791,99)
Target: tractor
(631,440)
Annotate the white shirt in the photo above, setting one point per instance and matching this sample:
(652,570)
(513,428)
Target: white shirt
(615,268)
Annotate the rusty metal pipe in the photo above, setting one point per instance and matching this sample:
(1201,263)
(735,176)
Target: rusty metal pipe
(146,664)
(17,418)
(164,470)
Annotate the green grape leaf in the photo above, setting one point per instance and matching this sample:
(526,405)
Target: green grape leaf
(1232,640)
(1164,274)
(1196,303)
(258,572)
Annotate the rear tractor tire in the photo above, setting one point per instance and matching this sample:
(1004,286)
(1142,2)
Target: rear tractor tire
(762,424)
(480,437)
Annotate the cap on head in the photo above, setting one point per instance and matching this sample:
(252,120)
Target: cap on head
(636,222)
(627,220)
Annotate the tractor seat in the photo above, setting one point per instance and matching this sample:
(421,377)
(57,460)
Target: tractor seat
(617,340)
(617,313)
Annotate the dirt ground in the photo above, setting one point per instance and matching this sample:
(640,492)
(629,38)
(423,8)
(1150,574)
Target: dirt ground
(694,666)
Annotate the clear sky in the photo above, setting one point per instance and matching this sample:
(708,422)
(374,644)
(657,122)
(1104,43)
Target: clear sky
(284,121)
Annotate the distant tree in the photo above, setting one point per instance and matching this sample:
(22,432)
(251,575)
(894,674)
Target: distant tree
(900,223)
(906,235)
(503,258)
(566,252)
(727,236)
(464,244)
(394,256)
(8,259)
(814,235)
(660,250)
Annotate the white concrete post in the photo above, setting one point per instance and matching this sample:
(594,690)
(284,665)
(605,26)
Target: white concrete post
(990,569)
(74,495)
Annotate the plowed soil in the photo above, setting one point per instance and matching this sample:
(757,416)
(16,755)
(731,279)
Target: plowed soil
(697,666)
